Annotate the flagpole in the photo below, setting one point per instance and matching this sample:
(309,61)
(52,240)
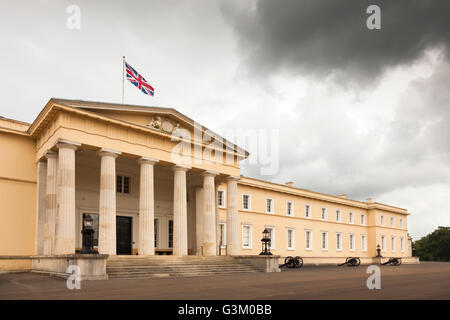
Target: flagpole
(123,79)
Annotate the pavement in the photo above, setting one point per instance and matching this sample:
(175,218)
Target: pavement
(428,280)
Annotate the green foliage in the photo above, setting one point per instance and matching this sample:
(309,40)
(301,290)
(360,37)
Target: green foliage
(434,246)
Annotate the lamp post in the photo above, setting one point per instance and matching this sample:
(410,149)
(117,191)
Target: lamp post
(88,235)
(265,242)
(378,251)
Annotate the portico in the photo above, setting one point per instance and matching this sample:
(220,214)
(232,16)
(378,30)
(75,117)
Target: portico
(144,200)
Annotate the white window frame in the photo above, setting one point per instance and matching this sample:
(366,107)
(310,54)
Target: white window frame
(249,202)
(224,199)
(392,222)
(383,243)
(401,223)
(339,243)
(363,219)
(393,244)
(287,208)
(402,244)
(250,233)
(272,237)
(308,209)
(322,211)
(224,242)
(326,240)
(272,205)
(310,239)
(382,222)
(364,243)
(292,247)
(351,242)
(338,216)
(351,218)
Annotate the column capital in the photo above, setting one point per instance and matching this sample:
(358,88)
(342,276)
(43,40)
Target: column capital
(181,168)
(210,173)
(232,178)
(50,154)
(68,144)
(104,152)
(148,160)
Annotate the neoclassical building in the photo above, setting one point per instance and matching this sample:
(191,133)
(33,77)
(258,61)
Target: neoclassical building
(141,174)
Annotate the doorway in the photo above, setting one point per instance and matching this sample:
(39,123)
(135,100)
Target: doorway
(123,235)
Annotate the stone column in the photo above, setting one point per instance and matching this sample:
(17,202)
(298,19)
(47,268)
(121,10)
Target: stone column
(65,213)
(199,219)
(146,245)
(216,202)
(107,202)
(41,217)
(51,202)
(209,215)
(232,217)
(179,211)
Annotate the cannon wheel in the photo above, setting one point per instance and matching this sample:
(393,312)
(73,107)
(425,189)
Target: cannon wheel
(358,263)
(395,262)
(348,259)
(289,262)
(399,261)
(298,262)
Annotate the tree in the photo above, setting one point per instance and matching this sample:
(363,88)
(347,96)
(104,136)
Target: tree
(434,246)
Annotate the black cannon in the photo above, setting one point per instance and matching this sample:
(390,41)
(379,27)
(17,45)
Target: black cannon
(393,262)
(291,262)
(351,262)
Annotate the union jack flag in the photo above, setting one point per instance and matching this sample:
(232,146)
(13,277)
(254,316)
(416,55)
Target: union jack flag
(135,78)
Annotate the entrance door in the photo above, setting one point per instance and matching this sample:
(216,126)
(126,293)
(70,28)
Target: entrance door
(123,235)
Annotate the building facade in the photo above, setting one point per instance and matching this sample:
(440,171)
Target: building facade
(142,175)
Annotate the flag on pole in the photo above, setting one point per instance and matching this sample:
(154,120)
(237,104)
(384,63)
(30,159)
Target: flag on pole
(135,78)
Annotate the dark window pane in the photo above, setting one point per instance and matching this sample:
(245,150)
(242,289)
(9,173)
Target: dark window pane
(119,184)
(170,233)
(126,184)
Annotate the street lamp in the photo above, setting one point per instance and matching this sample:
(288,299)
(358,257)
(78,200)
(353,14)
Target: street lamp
(378,251)
(88,235)
(265,242)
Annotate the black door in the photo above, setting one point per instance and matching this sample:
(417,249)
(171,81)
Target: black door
(123,235)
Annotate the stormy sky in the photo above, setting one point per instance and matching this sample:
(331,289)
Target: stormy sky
(358,111)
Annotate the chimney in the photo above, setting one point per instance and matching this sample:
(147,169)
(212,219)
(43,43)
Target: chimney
(369,200)
(343,196)
(289,184)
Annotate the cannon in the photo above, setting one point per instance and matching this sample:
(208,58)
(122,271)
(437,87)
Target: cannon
(393,262)
(351,262)
(291,262)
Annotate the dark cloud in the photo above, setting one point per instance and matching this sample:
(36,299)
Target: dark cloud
(330,38)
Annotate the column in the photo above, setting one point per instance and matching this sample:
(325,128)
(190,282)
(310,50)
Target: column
(107,202)
(199,219)
(146,244)
(209,214)
(40,205)
(65,213)
(179,211)
(51,202)
(216,206)
(232,217)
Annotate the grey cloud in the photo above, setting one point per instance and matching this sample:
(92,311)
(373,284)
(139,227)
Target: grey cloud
(329,38)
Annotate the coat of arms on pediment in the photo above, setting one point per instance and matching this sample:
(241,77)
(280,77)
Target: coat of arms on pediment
(163,124)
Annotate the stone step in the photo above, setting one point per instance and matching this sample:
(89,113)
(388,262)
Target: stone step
(184,274)
(168,270)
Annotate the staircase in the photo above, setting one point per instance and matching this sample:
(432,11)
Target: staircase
(130,267)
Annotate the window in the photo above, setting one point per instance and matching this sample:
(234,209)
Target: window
(156,232)
(383,243)
(401,223)
(123,184)
(363,242)
(392,222)
(352,242)
(222,235)
(339,241)
(338,216)
(308,211)
(324,213)
(170,233)
(308,239)
(289,208)
(324,240)
(269,205)
(246,236)
(392,243)
(246,202)
(363,219)
(350,217)
(290,239)
(271,236)
(402,244)
(382,220)
(221,198)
